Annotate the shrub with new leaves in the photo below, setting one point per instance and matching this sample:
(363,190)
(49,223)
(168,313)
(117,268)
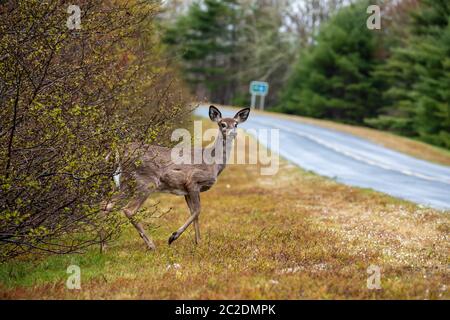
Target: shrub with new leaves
(68,99)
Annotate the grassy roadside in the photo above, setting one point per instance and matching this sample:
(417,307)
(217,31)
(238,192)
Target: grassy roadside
(294,235)
(405,145)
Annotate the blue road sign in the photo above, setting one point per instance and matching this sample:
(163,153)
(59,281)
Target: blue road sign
(259,88)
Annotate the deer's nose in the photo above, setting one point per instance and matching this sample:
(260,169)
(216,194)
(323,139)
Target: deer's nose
(231,132)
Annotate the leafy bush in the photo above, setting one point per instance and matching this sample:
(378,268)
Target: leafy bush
(70,98)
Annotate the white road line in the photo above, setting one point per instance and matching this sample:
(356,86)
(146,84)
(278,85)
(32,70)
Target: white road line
(357,157)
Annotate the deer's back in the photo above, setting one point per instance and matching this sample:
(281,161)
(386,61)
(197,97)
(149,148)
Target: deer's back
(158,172)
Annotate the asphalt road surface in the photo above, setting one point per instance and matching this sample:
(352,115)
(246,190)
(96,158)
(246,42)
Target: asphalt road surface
(354,161)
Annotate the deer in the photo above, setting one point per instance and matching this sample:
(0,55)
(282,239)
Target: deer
(157,172)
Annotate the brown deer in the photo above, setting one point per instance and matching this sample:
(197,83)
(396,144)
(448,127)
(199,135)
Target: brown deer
(159,173)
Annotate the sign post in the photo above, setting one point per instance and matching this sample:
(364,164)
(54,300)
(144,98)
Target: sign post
(258,88)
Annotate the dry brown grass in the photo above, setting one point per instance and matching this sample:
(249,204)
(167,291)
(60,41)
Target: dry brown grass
(294,235)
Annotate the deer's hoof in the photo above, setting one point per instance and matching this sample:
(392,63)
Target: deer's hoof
(103,248)
(173,237)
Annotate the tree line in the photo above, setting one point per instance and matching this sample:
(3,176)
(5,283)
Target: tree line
(322,60)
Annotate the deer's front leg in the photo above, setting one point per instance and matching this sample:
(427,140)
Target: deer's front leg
(191,206)
(193,201)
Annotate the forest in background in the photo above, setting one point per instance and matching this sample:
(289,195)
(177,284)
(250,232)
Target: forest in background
(321,60)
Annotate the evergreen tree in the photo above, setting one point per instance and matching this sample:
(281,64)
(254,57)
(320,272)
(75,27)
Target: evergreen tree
(333,79)
(418,74)
(265,51)
(206,38)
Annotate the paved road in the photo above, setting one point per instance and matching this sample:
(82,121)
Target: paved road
(354,161)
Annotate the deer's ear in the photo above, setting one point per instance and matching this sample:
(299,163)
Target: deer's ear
(242,115)
(214,114)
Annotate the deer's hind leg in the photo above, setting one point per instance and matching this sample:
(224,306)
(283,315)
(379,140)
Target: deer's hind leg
(130,210)
(106,208)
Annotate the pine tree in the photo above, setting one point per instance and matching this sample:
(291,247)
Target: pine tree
(418,74)
(333,79)
(206,39)
(265,51)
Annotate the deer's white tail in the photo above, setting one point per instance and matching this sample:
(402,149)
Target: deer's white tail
(116,176)
(118,172)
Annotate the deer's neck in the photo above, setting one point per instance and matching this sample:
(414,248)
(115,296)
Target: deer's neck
(222,151)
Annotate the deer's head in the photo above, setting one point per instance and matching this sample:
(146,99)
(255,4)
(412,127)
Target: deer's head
(227,126)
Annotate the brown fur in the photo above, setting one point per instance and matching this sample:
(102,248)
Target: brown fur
(158,173)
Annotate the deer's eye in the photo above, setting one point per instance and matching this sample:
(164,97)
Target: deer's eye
(223,125)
